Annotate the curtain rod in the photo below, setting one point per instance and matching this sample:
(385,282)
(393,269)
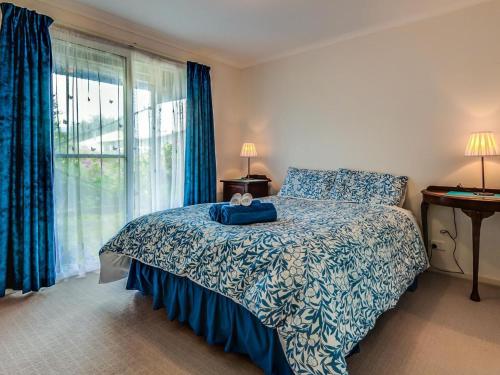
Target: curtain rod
(118,43)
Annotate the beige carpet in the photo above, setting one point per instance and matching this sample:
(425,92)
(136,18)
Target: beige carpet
(80,327)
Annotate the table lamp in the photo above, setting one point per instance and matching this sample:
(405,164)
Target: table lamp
(248,151)
(482,144)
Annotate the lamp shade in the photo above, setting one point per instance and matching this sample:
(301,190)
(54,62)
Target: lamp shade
(248,150)
(481,144)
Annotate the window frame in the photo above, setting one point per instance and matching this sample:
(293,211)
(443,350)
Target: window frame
(128,156)
(126,52)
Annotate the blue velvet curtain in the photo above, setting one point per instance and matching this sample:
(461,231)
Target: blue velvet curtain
(27,251)
(200,184)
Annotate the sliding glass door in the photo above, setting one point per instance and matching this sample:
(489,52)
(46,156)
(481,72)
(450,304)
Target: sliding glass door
(118,143)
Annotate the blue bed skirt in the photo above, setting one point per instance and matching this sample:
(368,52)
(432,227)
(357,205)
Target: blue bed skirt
(212,315)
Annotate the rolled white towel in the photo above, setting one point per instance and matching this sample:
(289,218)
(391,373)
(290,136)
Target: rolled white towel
(246,199)
(235,200)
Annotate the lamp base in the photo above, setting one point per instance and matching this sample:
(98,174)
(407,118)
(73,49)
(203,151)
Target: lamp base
(484,193)
(248,171)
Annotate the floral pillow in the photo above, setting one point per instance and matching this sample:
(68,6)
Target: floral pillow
(308,183)
(369,187)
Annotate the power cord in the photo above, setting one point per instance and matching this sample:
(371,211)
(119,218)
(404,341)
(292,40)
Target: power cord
(453,237)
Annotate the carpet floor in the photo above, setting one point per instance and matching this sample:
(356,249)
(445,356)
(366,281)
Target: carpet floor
(80,327)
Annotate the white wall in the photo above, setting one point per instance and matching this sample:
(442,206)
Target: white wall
(226,80)
(402,100)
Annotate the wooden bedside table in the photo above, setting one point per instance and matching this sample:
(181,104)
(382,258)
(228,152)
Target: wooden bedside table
(258,187)
(475,206)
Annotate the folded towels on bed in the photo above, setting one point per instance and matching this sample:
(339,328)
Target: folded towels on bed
(257,212)
(215,211)
(236,200)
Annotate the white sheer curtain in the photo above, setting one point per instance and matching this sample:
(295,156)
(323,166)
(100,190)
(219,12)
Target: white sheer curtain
(90,196)
(94,195)
(159,131)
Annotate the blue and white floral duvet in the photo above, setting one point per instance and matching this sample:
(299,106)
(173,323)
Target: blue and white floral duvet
(320,275)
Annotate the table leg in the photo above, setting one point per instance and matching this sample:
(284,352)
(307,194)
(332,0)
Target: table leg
(477,218)
(424,208)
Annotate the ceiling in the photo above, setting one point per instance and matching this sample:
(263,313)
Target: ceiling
(247,32)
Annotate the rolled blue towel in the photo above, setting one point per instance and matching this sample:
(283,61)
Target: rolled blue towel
(215,209)
(257,212)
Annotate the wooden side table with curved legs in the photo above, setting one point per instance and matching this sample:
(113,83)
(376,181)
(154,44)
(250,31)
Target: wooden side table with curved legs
(476,207)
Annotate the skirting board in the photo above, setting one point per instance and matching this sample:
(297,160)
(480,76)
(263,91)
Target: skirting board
(484,280)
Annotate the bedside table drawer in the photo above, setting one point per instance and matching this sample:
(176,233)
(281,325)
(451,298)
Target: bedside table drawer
(258,188)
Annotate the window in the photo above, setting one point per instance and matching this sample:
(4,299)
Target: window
(114,158)
(159,102)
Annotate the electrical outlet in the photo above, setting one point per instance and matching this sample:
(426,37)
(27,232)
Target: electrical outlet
(437,245)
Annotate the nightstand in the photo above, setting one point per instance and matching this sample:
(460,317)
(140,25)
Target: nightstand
(475,206)
(258,187)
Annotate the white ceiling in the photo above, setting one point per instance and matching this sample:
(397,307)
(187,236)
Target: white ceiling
(246,32)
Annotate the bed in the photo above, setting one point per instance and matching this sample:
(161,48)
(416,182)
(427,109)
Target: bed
(300,292)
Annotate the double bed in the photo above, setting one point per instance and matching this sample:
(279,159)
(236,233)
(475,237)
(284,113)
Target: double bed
(297,295)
